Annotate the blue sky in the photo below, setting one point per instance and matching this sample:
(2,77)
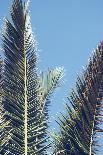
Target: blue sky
(67,32)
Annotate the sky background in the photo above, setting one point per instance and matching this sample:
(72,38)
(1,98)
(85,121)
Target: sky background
(67,32)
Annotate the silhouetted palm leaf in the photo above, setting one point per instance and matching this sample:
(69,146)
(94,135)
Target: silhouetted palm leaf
(79,127)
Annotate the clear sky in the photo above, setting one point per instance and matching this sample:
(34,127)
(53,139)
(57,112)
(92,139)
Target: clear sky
(67,32)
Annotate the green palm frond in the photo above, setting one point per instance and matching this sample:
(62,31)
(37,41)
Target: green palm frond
(48,83)
(79,127)
(25,95)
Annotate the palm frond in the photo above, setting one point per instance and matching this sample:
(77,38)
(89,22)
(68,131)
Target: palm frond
(21,84)
(48,83)
(79,127)
(22,88)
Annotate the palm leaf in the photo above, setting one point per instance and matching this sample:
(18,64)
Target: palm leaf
(24,95)
(79,127)
(48,83)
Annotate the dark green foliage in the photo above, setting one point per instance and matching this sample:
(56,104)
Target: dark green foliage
(79,126)
(25,98)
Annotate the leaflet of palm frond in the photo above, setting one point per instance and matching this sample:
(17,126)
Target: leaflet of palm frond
(1,75)
(5,129)
(21,86)
(80,124)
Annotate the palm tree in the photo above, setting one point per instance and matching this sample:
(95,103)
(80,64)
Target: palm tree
(79,127)
(25,95)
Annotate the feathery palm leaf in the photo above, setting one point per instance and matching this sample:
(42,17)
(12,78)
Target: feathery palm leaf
(22,89)
(48,83)
(79,127)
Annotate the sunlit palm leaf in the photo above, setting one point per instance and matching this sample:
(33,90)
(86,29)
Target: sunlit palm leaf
(48,83)
(80,125)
